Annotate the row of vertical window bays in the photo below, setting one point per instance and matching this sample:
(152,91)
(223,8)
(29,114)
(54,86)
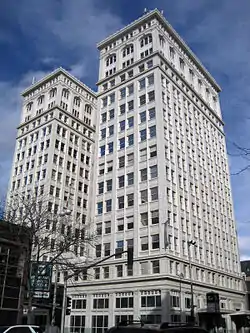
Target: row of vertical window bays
(46,131)
(126,123)
(211,255)
(131,72)
(199,229)
(219,189)
(101,323)
(64,106)
(155,266)
(175,96)
(128,141)
(129,90)
(195,206)
(127,302)
(195,188)
(77,101)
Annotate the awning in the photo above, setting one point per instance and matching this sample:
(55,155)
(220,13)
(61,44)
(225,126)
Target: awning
(240,313)
(221,312)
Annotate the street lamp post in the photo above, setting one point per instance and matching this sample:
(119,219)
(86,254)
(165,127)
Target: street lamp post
(191,243)
(181,276)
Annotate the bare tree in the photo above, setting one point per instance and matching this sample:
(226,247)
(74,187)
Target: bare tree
(55,238)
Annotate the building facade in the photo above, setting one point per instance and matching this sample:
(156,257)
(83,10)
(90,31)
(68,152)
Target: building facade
(15,251)
(55,145)
(161,185)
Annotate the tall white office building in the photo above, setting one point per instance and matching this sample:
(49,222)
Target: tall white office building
(54,146)
(161,184)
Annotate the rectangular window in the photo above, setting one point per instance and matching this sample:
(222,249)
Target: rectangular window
(122,125)
(123,93)
(99,208)
(121,181)
(144,174)
(104,117)
(155,241)
(99,323)
(130,178)
(106,249)
(154,193)
(153,151)
(155,266)
(111,114)
(108,205)
(111,130)
(102,150)
(119,270)
(130,122)
(142,83)
(144,196)
(151,113)
(120,202)
(151,96)
(98,250)
(144,219)
(131,139)
(121,162)
(111,147)
(122,109)
(143,154)
(150,79)
(130,159)
(152,131)
(122,143)
(142,100)
(77,323)
(153,171)
(130,222)
(106,272)
(143,116)
(130,89)
(100,187)
(155,216)
(103,133)
(109,185)
(120,224)
(131,105)
(143,135)
(144,243)
(130,198)
(124,302)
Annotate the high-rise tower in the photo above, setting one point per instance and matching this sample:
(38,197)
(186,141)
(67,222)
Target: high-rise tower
(55,145)
(162,183)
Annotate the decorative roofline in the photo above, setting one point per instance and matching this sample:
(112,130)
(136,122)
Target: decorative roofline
(51,75)
(170,30)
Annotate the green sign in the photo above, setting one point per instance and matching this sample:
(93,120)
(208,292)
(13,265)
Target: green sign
(40,276)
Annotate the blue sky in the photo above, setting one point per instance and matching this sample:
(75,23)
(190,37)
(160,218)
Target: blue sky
(38,36)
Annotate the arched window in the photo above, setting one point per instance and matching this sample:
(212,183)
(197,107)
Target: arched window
(77,101)
(162,41)
(127,50)
(29,106)
(146,40)
(40,99)
(52,92)
(111,59)
(65,93)
(88,108)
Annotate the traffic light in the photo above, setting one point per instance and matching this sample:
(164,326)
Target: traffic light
(130,257)
(68,306)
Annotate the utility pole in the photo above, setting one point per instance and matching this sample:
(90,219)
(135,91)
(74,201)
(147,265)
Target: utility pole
(193,243)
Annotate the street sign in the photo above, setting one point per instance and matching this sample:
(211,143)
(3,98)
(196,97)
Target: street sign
(40,279)
(41,294)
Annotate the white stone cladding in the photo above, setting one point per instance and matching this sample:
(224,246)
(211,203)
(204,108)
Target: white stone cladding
(161,178)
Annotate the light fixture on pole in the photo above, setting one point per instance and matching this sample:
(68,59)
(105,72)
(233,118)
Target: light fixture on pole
(191,243)
(180,276)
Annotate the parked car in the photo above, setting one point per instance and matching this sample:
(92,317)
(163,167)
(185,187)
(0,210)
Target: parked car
(20,329)
(140,327)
